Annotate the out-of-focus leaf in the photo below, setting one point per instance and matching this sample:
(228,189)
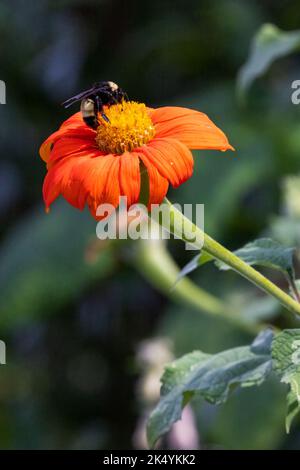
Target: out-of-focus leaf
(265,252)
(291,196)
(209,376)
(261,309)
(197,261)
(252,307)
(286,230)
(270,43)
(286,359)
(43,265)
(295,287)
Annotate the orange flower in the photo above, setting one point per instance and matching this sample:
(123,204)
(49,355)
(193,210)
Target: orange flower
(92,167)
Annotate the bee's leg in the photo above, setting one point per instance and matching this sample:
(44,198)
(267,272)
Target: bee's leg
(105,117)
(112,97)
(99,108)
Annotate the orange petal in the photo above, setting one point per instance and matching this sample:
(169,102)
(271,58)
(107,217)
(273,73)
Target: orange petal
(130,178)
(191,127)
(158,185)
(59,181)
(98,178)
(73,121)
(73,127)
(68,146)
(172,159)
(84,179)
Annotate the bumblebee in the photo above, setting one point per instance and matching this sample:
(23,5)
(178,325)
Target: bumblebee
(92,101)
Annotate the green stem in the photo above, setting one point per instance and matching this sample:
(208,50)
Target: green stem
(217,251)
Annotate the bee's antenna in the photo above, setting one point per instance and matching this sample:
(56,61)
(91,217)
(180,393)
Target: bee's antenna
(70,101)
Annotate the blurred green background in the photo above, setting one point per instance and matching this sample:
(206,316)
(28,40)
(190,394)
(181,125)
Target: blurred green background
(75,313)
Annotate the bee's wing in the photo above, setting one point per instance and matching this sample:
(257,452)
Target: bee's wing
(79,97)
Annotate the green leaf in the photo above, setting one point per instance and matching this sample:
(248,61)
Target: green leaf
(209,376)
(269,44)
(286,359)
(176,372)
(265,252)
(293,409)
(197,261)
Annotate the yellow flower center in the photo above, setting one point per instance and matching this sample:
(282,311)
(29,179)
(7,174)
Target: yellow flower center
(129,127)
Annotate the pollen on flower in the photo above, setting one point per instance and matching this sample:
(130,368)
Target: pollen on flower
(128,128)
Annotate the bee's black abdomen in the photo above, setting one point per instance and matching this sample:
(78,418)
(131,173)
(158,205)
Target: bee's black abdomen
(91,121)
